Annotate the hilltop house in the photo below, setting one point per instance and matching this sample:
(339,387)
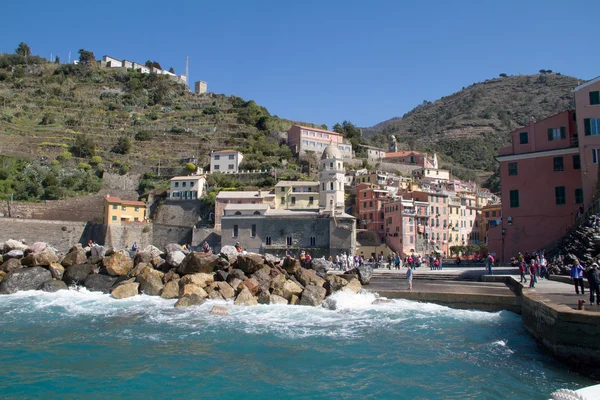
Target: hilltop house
(187,187)
(304,139)
(117,211)
(227,161)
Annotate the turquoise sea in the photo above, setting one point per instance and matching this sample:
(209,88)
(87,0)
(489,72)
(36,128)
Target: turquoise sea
(80,345)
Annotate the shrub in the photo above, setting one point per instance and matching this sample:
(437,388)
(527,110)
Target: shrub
(64,156)
(146,229)
(95,160)
(123,145)
(124,168)
(84,166)
(48,119)
(190,167)
(83,147)
(177,129)
(143,136)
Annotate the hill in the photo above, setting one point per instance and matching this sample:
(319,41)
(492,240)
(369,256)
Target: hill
(91,118)
(468,127)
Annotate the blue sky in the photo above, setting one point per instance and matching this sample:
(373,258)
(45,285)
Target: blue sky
(323,61)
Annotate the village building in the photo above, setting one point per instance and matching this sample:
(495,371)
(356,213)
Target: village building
(187,187)
(306,140)
(370,200)
(226,161)
(297,195)
(226,197)
(117,211)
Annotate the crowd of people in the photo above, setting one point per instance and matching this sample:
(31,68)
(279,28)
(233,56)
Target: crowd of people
(592,274)
(535,265)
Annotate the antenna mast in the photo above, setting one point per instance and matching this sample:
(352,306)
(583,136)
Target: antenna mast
(187,71)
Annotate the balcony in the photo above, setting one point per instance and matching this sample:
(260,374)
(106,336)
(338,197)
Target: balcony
(574,141)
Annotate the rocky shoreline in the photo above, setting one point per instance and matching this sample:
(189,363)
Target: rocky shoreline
(192,278)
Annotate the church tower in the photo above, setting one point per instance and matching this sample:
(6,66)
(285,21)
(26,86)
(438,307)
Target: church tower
(332,176)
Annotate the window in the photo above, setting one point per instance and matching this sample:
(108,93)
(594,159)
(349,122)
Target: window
(310,201)
(370,215)
(578,196)
(313,241)
(235,231)
(493,214)
(514,199)
(268,240)
(217,157)
(370,203)
(288,240)
(558,164)
(512,169)
(557,133)
(136,209)
(412,239)
(136,219)
(523,138)
(330,185)
(191,184)
(576,162)
(594,98)
(114,206)
(282,200)
(230,166)
(231,157)
(123,208)
(595,155)
(561,196)
(217,167)
(293,201)
(176,184)
(253,234)
(591,126)
(487,214)
(114,217)
(364,194)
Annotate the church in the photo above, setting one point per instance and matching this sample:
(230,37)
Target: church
(272,228)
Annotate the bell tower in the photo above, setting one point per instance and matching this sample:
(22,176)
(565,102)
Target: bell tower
(332,176)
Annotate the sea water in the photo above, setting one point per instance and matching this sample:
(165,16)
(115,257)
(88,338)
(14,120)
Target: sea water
(78,344)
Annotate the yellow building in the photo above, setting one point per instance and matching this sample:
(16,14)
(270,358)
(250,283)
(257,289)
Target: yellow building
(491,215)
(117,211)
(296,195)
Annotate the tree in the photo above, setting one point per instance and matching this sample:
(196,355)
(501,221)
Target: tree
(155,64)
(83,147)
(23,49)
(86,57)
(57,60)
(503,75)
(123,145)
(172,70)
(148,64)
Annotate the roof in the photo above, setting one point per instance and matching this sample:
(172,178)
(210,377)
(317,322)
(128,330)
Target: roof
(310,128)
(372,147)
(296,183)
(401,154)
(180,178)
(590,82)
(262,207)
(116,200)
(223,194)
(226,151)
(331,151)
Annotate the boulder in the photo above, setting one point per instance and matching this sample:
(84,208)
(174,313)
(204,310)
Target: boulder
(382,301)
(24,279)
(142,257)
(278,282)
(237,273)
(139,268)
(173,247)
(291,288)
(97,253)
(353,286)
(198,262)
(245,298)
(171,275)
(365,273)
(225,290)
(77,273)
(159,262)
(155,251)
(191,300)
(274,299)
(334,283)
(170,290)
(14,245)
(234,283)
(312,295)
(294,300)
(309,277)
(175,258)
(215,295)
(191,289)
(38,247)
(250,263)
(320,265)
(99,283)
(229,253)
(10,265)
(272,260)
(263,277)
(76,256)
(219,310)
(2,275)
(290,265)
(150,281)
(17,254)
(118,264)
(125,290)
(201,279)
(53,286)
(42,258)
(251,284)
(263,298)
(221,275)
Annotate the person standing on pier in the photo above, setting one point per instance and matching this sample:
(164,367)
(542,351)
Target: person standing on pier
(522,270)
(577,276)
(533,271)
(409,277)
(593,277)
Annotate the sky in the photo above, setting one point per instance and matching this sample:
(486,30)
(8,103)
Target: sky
(322,61)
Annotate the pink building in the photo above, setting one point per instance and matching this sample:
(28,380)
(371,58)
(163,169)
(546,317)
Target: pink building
(240,197)
(304,139)
(435,238)
(587,107)
(541,186)
(370,200)
(406,226)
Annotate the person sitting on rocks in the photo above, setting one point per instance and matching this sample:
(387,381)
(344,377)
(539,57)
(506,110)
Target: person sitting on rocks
(135,247)
(238,247)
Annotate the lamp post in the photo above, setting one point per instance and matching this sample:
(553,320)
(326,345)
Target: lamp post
(503,234)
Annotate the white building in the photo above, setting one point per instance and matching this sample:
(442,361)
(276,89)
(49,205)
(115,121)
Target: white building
(187,187)
(112,62)
(227,161)
(432,174)
(332,178)
(200,87)
(375,154)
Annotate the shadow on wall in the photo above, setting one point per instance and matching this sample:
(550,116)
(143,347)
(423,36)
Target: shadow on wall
(94,232)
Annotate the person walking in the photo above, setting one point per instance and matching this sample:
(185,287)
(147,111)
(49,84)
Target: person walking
(409,277)
(593,277)
(489,263)
(577,276)
(533,267)
(522,270)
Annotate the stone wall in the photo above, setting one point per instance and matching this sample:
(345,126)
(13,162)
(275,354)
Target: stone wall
(60,234)
(125,235)
(163,234)
(404,169)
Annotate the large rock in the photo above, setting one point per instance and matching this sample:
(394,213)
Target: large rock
(365,273)
(175,258)
(171,247)
(57,271)
(41,259)
(251,284)
(139,268)
(225,290)
(221,275)
(291,288)
(99,283)
(320,265)
(155,251)
(171,275)
(334,283)
(142,257)
(312,295)
(229,253)
(97,253)
(236,273)
(278,282)
(290,265)
(198,262)
(201,279)
(75,256)
(245,298)
(38,247)
(77,273)
(10,265)
(272,260)
(14,245)
(266,298)
(53,286)
(24,279)
(125,290)
(16,254)
(353,286)
(234,283)
(118,264)
(170,290)
(309,277)
(263,277)
(191,300)
(150,281)
(250,263)
(215,295)
(219,310)
(191,289)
